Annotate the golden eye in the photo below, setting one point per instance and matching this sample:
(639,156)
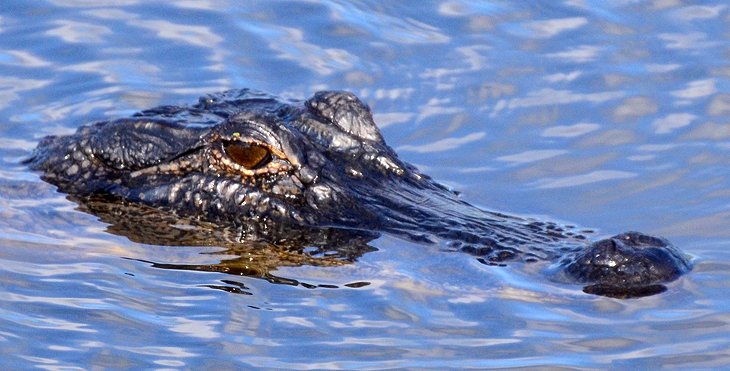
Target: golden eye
(250,156)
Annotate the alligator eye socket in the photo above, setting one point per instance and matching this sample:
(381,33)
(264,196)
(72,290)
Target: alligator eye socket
(250,156)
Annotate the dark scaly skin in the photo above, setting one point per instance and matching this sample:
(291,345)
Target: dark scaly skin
(277,171)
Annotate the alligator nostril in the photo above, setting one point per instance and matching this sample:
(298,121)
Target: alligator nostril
(626,265)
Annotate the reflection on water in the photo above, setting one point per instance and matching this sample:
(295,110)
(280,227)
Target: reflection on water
(240,255)
(611,115)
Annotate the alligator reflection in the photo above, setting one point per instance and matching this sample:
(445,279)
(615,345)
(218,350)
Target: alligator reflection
(251,258)
(258,253)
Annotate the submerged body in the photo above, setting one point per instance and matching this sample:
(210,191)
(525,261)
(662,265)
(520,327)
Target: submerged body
(277,170)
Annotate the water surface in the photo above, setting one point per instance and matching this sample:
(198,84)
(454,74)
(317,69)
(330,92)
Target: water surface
(611,115)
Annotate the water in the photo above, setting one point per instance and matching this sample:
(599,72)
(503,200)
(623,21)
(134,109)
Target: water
(610,114)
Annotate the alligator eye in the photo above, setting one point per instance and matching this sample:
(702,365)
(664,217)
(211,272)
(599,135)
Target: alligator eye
(250,156)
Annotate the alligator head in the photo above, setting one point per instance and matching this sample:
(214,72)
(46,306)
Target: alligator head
(272,169)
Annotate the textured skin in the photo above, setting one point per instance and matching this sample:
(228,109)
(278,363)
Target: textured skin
(325,165)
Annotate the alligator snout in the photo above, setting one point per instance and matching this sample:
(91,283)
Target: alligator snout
(630,264)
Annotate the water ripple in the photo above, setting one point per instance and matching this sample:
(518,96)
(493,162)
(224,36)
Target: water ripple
(609,114)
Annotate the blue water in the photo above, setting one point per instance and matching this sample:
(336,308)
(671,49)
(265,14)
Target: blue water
(612,115)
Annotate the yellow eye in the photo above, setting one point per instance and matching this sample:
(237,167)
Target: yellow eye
(250,156)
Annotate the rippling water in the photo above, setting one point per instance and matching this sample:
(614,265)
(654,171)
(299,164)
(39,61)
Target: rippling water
(610,114)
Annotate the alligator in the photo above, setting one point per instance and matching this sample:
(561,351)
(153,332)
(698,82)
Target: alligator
(281,171)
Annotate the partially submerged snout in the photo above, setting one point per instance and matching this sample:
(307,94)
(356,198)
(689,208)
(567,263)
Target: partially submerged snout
(630,264)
